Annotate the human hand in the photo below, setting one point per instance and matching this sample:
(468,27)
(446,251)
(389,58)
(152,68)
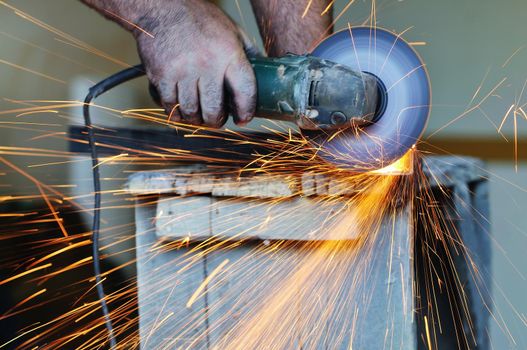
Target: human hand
(196,58)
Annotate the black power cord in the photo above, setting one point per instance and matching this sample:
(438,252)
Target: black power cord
(95,91)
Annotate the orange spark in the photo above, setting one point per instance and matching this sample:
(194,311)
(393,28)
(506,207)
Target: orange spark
(197,293)
(25,273)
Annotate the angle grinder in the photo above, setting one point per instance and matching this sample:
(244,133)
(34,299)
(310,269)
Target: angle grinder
(361,98)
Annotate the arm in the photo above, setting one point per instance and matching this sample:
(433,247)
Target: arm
(191,51)
(285,28)
(127,13)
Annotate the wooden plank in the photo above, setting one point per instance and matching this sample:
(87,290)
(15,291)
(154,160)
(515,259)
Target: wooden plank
(166,279)
(489,148)
(292,219)
(225,182)
(187,180)
(184,217)
(298,218)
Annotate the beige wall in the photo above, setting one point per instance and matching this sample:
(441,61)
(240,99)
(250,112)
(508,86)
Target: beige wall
(43,52)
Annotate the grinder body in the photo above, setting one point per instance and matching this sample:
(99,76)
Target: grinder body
(314,93)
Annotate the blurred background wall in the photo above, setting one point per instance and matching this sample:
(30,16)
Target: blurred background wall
(468,46)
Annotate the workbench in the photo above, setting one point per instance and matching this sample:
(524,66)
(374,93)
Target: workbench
(211,246)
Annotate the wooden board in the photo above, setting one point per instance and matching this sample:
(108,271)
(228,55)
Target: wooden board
(300,218)
(226,182)
(253,275)
(166,279)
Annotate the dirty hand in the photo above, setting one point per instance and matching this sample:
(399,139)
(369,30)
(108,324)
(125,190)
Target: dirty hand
(196,58)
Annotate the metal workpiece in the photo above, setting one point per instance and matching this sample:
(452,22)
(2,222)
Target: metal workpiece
(314,93)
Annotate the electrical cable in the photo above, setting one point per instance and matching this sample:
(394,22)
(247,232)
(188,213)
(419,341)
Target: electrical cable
(95,91)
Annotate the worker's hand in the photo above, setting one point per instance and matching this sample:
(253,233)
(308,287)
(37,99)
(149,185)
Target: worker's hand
(197,61)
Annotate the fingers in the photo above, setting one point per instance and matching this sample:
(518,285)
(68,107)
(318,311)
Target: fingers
(195,102)
(211,99)
(167,91)
(200,99)
(188,99)
(241,82)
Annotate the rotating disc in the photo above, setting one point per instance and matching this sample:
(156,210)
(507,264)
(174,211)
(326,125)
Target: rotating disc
(405,103)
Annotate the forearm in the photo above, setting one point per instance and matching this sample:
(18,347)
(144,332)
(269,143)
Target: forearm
(131,14)
(286,26)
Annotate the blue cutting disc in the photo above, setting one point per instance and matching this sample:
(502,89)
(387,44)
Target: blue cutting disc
(405,99)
